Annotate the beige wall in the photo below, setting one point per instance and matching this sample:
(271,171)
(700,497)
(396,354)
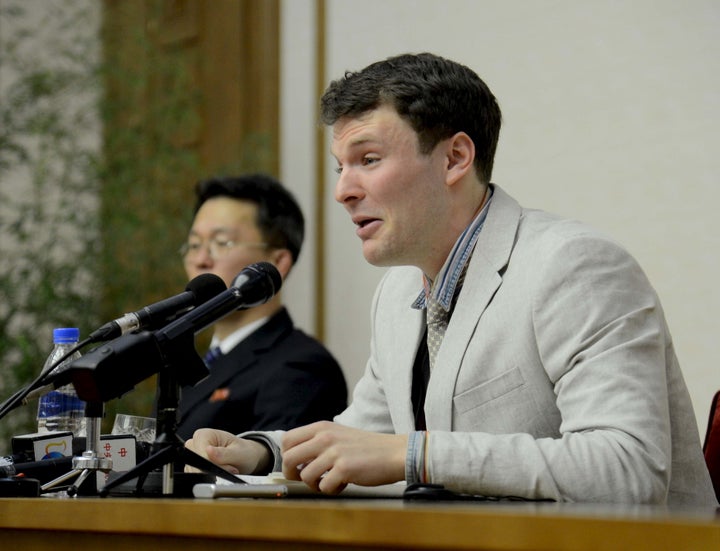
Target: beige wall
(611,115)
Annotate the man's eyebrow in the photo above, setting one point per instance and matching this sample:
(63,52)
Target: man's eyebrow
(360,141)
(214,231)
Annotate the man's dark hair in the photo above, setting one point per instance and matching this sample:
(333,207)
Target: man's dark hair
(436,96)
(279,218)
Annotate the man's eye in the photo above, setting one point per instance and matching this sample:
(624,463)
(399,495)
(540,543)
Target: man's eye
(338,170)
(369,160)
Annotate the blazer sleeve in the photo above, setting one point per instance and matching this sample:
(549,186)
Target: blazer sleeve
(369,409)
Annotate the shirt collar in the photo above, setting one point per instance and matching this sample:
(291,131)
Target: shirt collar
(237,336)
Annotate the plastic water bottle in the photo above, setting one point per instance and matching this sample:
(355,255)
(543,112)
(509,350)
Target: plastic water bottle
(61,409)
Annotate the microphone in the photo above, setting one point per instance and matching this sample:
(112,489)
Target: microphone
(113,368)
(253,286)
(198,291)
(45,470)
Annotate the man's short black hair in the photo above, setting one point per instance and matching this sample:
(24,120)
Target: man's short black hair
(279,218)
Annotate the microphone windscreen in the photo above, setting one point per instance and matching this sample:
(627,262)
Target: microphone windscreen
(257,283)
(274,275)
(205,286)
(270,272)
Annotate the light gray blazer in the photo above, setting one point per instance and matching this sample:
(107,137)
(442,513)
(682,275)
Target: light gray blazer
(557,376)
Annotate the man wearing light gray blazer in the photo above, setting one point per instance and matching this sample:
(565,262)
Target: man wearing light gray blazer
(556,382)
(555,376)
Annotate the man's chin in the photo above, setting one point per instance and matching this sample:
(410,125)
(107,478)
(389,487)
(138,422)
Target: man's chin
(376,257)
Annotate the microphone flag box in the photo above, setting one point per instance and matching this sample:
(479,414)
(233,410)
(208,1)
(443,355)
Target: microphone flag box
(45,445)
(121,449)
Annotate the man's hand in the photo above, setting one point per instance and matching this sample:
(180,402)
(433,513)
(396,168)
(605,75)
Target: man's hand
(328,457)
(235,455)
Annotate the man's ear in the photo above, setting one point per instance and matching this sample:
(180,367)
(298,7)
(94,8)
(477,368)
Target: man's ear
(283,261)
(460,157)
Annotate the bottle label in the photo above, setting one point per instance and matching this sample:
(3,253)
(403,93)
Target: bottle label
(56,403)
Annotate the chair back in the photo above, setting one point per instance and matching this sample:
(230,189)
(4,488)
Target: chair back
(711,447)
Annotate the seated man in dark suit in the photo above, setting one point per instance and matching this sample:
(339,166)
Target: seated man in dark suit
(269,375)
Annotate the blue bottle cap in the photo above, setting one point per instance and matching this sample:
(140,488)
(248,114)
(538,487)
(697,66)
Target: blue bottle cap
(66,335)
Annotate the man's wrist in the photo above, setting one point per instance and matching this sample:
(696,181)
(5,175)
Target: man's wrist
(271,461)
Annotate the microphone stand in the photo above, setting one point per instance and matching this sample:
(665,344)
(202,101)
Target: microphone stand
(90,461)
(168,448)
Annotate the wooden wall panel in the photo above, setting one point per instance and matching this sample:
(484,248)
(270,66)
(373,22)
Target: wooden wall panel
(192,91)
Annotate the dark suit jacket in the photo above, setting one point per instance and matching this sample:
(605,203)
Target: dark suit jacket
(277,378)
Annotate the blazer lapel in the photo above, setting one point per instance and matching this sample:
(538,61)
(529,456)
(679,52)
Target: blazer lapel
(483,278)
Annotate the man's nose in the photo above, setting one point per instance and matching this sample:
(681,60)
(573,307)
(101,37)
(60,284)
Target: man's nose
(348,187)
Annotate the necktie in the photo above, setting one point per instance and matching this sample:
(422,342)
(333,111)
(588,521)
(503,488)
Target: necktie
(437,319)
(212,355)
(437,322)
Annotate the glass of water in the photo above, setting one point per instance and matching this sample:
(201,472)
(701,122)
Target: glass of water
(142,428)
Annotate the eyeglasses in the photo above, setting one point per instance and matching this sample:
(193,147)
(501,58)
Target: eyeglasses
(218,248)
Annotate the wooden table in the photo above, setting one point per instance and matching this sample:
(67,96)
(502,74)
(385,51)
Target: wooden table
(64,524)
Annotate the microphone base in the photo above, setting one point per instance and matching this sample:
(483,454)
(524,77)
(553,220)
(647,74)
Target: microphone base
(167,458)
